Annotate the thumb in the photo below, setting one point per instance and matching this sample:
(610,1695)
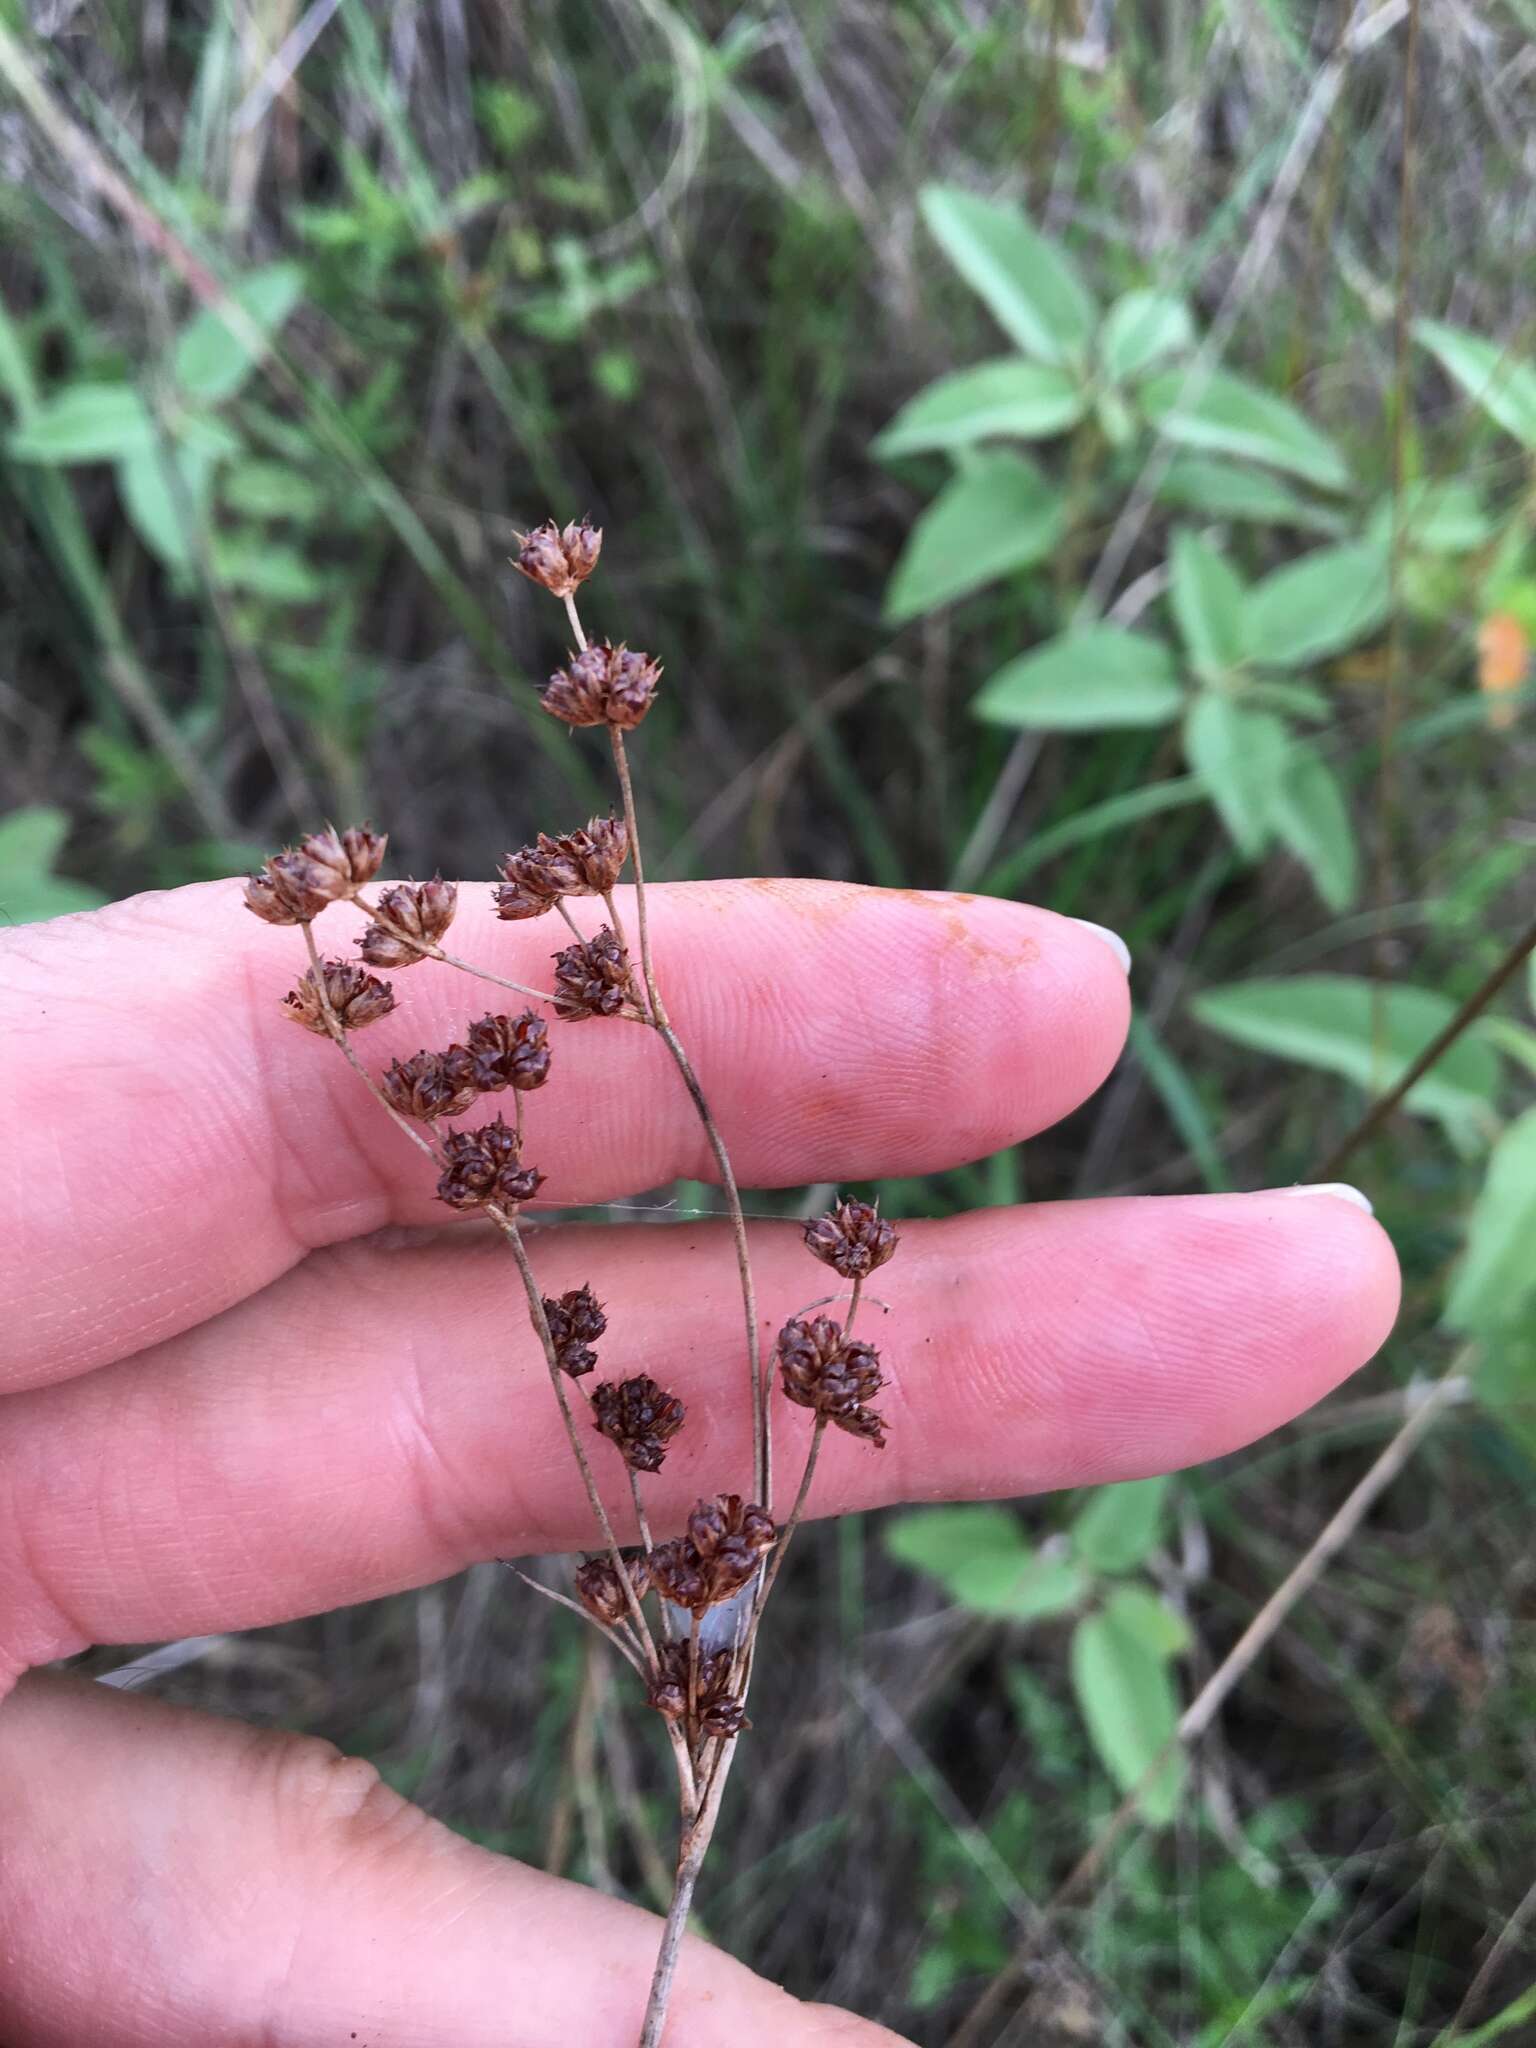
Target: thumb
(173,1879)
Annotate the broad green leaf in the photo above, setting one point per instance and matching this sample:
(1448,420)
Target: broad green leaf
(213,360)
(1314,607)
(1506,1381)
(1496,1280)
(941,1540)
(1007,397)
(1365,1032)
(998,515)
(1436,516)
(1148,1616)
(1142,328)
(1027,282)
(1229,416)
(1504,385)
(981,1556)
(271,490)
(1207,595)
(85,423)
(31,840)
(1119,1526)
(1035,1590)
(260,565)
(1220,490)
(1296,700)
(1240,756)
(1126,1694)
(165,513)
(1312,818)
(1081,682)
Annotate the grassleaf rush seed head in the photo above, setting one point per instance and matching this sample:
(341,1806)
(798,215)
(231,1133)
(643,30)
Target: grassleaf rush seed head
(355,996)
(559,559)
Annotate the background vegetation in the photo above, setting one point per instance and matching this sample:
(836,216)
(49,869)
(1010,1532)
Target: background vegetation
(899,341)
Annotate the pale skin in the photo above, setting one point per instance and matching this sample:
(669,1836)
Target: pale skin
(226,1400)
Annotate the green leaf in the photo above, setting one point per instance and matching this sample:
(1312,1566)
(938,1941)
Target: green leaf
(999,515)
(1365,1032)
(1220,490)
(271,490)
(1240,756)
(1230,416)
(1035,1590)
(1027,282)
(1502,384)
(212,360)
(1296,700)
(1007,397)
(1311,608)
(1126,1695)
(941,1540)
(1436,516)
(265,568)
(1148,1616)
(163,514)
(31,840)
(1496,1280)
(1119,1527)
(1082,682)
(1312,818)
(981,1556)
(1142,328)
(85,423)
(1207,596)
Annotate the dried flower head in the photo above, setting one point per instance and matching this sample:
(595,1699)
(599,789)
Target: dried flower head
(355,996)
(639,1418)
(837,1376)
(560,559)
(853,1238)
(576,1321)
(503,1052)
(603,685)
(719,1712)
(484,1166)
(529,884)
(584,863)
(424,1086)
(289,890)
(592,978)
(413,916)
(726,1538)
(601,1591)
(345,860)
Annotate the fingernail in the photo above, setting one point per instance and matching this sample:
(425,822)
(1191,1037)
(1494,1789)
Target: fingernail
(1113,940)
(1340,1190)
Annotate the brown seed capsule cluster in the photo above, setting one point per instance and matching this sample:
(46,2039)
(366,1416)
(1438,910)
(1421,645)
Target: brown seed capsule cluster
(504,1052)
(584,863)
(413,916)
(422,1087)
(639,1418)
(837,1376)
(355,996)
(726,1539)
(576,1321)
(601,1591)
(561,559)
(484,1166)
(295,885)
(592,978)
(603,685)
(852,1238)
(719,1713)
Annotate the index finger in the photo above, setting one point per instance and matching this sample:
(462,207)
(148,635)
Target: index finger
(176,1144)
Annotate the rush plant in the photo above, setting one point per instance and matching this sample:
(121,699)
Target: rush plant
(685,1611)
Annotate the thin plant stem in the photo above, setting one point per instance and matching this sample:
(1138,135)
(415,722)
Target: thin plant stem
(338,1032)
(509,1228)
(696,1840)
(618,1633)
(796,1512)
(565,911)
(428,949)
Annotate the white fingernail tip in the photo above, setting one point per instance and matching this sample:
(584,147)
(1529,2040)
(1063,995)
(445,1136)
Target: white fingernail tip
(1340,1190)
(1113,940)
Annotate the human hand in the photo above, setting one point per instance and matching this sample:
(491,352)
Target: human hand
(225,1402)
